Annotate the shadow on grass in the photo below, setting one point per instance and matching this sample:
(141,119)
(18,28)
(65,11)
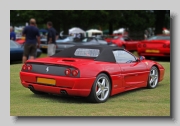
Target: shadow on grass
(80,100)
(61,98)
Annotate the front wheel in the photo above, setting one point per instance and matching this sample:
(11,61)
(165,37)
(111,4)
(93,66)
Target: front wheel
(101,89)
(153,78)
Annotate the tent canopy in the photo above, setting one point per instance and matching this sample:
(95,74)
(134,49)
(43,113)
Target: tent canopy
(76,30)
(121,30)
(91,32)
(94,31)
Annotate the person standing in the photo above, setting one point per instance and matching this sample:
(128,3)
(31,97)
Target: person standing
(51,39)
(32,36)
(12,34)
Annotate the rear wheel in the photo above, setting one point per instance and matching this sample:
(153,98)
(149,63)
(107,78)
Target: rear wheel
(153,78)
(101,89)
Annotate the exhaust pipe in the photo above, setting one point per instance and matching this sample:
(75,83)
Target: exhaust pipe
(31,87)
(63,92)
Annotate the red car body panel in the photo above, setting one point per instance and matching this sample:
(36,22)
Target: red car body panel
(20,41)
(109,38)
(129,44)
(154,48)
(123,76)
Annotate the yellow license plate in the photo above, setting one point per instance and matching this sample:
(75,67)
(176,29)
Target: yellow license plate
(46,81)
(152,51)
(44,46)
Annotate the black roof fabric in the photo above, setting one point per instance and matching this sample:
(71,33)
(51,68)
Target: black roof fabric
(106,52)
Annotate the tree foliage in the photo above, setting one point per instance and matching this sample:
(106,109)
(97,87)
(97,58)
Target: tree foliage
(135,20)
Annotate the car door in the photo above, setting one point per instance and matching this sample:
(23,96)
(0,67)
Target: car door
(134,72)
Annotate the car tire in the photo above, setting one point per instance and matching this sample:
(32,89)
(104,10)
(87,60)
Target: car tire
(153,78)
(101,89)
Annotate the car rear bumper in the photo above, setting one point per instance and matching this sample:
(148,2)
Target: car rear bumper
(73,86)
(155,54)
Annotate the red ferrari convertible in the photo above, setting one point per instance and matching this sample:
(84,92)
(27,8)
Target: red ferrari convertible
(156,46)
(125,42)
(96,72)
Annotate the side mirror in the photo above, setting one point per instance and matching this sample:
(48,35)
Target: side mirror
(137,59)
(141,58)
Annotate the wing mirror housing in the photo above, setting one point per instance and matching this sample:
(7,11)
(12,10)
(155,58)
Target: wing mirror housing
(142,58)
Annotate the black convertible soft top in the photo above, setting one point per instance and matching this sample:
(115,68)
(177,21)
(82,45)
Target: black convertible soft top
(106,52)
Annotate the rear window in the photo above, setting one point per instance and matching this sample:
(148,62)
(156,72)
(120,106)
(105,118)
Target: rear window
(87,52)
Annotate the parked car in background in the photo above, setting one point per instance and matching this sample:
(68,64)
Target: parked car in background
(43,45)
(20,40)
(125,42)
(16,51)
(109,38)
(66,44)
(85,41)
(155,46)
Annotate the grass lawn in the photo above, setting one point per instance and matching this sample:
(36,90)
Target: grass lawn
(140,102)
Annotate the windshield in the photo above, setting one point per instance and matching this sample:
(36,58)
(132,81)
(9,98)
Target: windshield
(159,38)
(13,44)
(87,52)
(87,39)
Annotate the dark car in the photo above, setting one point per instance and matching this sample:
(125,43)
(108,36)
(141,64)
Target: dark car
(85,41)
(69,43)
(16,51)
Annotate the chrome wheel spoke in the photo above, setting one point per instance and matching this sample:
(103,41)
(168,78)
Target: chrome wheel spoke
(103,82)
(151,81)
(99,84)
(106,89)
(98,92)
(102,95)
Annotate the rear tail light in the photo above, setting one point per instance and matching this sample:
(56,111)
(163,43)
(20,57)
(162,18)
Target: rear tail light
(164,45)
(29,67)
(67,72)
(75,72)
(24,67)
(144,45)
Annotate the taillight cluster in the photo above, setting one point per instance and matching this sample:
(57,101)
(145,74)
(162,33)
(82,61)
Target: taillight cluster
(68,72)
(27,67)
(166,46)
(142,45)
